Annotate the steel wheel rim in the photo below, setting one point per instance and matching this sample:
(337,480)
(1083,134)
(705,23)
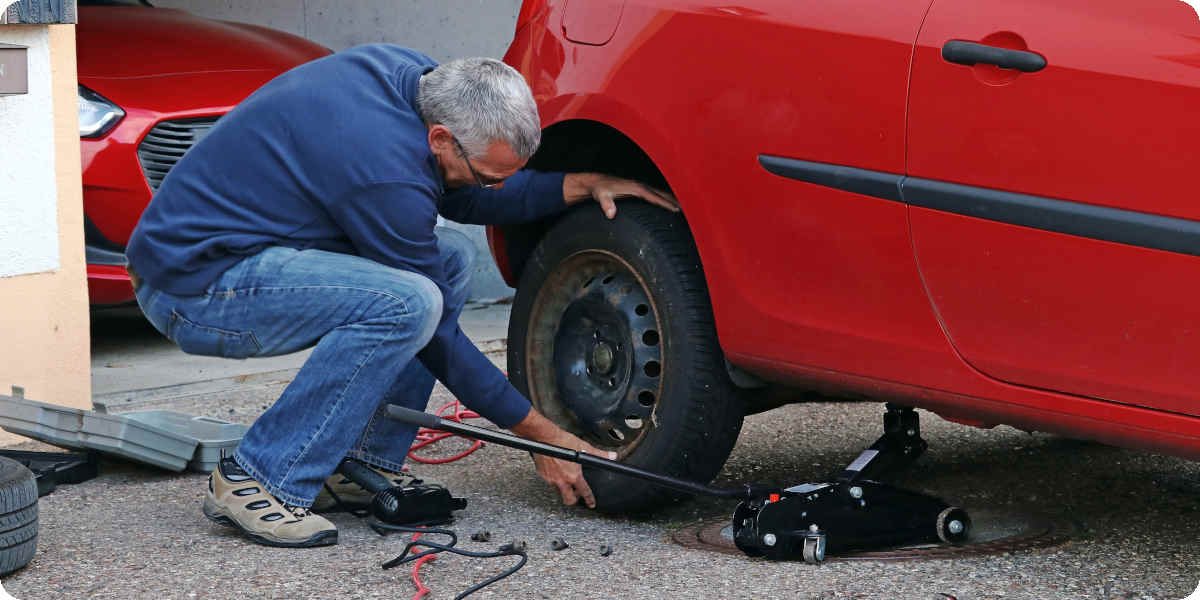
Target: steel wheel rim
(594,351)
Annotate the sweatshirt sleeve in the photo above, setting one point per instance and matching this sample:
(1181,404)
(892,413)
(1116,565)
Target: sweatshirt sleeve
(392,224)
(524,197)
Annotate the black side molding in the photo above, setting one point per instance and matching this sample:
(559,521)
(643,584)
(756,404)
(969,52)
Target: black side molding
(840,177)
(1133,228)
(1061,216)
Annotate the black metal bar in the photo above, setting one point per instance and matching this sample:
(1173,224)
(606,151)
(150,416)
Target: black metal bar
(895,450)
(422,419)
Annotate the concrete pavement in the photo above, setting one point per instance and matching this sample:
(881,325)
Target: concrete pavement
(137,532)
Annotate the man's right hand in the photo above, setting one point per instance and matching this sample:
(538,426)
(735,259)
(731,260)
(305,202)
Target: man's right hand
(565,476)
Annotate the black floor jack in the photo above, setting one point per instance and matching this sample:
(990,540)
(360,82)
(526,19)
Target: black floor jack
(853,511)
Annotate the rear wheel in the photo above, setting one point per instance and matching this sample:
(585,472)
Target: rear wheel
(612,338)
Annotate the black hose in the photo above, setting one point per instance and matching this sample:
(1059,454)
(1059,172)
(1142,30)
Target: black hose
(435,548)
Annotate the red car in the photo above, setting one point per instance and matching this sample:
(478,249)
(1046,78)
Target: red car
(152,81)
(983,209)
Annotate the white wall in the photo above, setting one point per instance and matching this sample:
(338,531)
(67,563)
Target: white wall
(28,188)
(443,29)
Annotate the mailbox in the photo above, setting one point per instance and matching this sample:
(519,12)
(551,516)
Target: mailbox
(14,70)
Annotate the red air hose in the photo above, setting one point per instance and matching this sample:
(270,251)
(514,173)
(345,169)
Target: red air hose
(428,437)
(416,574)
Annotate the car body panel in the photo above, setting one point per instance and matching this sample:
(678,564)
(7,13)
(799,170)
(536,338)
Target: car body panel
(818,286)
(122,42)
(1111,121)
(158,65)
(767,293)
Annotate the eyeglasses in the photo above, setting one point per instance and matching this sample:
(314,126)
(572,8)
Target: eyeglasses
(491,183)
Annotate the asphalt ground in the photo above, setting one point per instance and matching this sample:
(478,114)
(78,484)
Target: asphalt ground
(137,532)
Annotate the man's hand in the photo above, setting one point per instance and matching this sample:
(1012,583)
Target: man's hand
(567,477)
(578,187)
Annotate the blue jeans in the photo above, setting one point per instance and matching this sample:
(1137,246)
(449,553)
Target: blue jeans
(367,321)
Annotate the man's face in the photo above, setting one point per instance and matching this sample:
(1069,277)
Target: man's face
(493,167)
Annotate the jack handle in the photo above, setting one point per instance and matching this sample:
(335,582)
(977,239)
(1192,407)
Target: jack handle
(422,419)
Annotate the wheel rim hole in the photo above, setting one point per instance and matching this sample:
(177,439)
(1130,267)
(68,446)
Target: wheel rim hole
(646,398)
(652,368)
(633,422)
(641,310)
(650,338)
(616,435)
(608,280)
(589,282)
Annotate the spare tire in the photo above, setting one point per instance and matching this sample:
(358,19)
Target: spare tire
(612,337)
(18,515)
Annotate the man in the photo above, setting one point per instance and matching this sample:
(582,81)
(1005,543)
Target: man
(306,217)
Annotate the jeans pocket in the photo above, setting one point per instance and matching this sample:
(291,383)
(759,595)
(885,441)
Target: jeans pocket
(210,341)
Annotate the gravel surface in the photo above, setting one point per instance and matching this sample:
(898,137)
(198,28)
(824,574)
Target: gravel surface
(137,532)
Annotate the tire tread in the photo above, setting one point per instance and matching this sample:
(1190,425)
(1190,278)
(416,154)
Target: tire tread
(18,515)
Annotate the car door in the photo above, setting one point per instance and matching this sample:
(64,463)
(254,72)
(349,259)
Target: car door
(1052,159)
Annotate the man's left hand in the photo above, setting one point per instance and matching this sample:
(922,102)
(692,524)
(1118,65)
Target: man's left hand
(578,187)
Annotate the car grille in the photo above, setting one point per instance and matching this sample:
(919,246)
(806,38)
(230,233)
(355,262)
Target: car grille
(166,144)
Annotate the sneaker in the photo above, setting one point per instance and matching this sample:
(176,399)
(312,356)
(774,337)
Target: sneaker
(354,497)
(236,500)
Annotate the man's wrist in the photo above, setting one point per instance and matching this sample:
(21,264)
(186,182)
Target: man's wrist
(536,427)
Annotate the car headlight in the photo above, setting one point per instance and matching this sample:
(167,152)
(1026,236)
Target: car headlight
(97,114)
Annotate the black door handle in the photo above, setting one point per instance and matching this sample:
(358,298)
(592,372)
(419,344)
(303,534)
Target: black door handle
(971,53)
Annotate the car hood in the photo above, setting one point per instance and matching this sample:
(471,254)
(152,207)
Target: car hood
(136,41)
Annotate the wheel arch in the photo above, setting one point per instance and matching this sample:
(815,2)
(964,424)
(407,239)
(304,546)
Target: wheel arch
(574,146)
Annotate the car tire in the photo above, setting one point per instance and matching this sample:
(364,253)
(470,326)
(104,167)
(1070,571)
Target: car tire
(18,516)
(612,337)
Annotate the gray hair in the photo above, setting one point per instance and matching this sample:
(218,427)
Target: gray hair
(481,101)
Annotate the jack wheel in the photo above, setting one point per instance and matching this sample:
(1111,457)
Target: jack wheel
(953,525)
(814,549)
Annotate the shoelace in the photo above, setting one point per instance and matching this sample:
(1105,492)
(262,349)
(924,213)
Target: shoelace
(297,511)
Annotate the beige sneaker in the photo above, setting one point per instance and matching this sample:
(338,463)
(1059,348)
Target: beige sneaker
(352,496)
(237,500)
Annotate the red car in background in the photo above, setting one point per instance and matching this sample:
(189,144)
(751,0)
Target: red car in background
(152,82)
(984,209)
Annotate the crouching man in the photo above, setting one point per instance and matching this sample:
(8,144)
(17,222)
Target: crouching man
(306,218)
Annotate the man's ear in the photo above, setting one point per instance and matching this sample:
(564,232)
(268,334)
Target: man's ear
(440,138)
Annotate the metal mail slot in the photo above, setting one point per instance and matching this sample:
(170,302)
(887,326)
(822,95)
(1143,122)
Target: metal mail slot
(14,70)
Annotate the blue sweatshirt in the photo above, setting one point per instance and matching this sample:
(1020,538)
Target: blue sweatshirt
(333,155)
